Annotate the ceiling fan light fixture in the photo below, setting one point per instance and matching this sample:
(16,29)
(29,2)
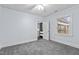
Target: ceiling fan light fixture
(39,7)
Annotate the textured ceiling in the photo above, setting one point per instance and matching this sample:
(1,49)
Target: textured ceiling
(31,8)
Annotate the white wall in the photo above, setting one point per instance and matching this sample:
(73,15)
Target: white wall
(69,40)
(17,27)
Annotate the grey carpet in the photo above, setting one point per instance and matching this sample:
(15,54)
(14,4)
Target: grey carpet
(40,47)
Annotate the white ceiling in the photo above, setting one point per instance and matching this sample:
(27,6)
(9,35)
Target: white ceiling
(31,8)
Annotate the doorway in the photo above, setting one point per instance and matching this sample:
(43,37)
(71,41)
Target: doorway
(43,30)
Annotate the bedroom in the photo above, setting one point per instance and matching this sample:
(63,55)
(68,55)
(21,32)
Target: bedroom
(39,23)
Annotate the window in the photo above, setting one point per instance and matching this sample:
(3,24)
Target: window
(64,25)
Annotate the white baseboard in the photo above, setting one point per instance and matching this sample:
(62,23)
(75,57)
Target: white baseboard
(14,43)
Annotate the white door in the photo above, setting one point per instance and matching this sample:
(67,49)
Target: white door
(46,30)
